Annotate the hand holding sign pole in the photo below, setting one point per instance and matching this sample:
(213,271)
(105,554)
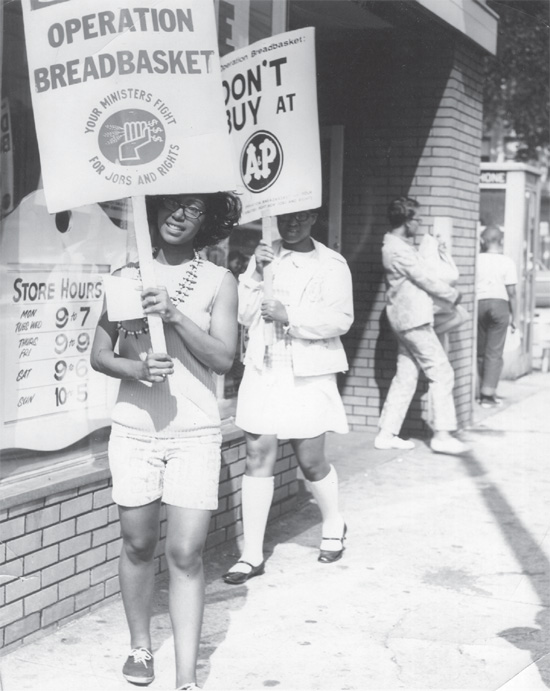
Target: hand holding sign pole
(147,270)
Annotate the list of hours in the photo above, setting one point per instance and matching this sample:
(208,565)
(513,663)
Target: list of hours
(51,318)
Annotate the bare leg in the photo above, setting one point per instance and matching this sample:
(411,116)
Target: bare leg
(140,532)
(311,457)
(185,538)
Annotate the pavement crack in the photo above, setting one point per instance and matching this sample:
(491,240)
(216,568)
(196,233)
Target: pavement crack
(388,646)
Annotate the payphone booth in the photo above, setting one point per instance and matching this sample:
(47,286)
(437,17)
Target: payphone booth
(510,198)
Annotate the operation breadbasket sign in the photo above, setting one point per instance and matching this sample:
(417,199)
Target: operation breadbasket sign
(127,99)
(271,109)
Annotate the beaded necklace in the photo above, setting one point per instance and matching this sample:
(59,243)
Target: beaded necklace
(186,286)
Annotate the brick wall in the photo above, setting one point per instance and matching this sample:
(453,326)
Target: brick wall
(59,554)
(412,127)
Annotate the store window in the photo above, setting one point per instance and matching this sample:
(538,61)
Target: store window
(235,253)
(54,408)
(52,403)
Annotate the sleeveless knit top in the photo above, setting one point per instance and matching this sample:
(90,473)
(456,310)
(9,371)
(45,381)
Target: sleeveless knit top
(185,403)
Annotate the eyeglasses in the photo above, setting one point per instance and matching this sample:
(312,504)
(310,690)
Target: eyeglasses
(300,216)
(190,212)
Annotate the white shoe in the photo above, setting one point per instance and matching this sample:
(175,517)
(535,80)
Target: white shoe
(385,441)
(490,401)
(451,446)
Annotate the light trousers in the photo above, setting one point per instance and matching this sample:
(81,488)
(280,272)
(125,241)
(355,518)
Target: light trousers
(420,349)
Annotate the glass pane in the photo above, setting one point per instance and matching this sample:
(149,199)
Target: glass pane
(53,406)
(491,207)
(241,246)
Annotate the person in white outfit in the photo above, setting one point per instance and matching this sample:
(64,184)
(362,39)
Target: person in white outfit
(289,388)
(410,289)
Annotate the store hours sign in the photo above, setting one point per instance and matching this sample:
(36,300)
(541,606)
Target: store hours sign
(127,99)
(52,296)
(50,316)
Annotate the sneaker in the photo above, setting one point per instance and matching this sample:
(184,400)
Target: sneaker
(489,401)
(139,667)
(188,687)
(385,441)
(451,446)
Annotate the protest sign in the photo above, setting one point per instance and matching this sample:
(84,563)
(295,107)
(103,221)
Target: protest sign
(127,99)
(271,108)
(127,102)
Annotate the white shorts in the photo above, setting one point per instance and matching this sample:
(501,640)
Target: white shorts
(274,401)
(181,471)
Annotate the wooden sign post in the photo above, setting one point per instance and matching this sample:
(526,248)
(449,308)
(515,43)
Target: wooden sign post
(268,223)
(147,269)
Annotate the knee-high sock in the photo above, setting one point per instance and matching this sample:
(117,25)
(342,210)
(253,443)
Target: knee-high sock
(325,493)
(257,495)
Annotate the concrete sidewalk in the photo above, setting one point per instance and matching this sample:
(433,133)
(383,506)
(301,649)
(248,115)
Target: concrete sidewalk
(445,582)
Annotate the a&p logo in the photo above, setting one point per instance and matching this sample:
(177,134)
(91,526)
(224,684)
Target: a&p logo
(131,137)
(261,161)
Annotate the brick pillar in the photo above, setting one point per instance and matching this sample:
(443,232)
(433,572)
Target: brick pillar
(415,130)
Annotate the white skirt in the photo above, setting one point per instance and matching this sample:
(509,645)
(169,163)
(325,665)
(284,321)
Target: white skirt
(274,401)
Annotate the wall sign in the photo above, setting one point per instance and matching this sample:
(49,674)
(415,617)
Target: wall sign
(492,177)
(50,319)
(52,295)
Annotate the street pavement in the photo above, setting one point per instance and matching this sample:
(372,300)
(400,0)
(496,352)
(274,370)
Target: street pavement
(445,582)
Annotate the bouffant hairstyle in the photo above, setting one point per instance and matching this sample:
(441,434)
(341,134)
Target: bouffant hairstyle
(401,210)
(223,211)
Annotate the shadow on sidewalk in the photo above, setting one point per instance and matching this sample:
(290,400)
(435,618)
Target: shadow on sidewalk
(223,600)
(535,566)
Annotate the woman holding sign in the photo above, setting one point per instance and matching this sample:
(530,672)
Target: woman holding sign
(165,439)
(289,387)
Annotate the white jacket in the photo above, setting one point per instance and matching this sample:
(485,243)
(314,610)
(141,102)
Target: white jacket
(321,314)
(411,285)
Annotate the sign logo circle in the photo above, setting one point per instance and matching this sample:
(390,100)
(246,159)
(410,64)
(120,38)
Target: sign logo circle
(131,137)
(261,161)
